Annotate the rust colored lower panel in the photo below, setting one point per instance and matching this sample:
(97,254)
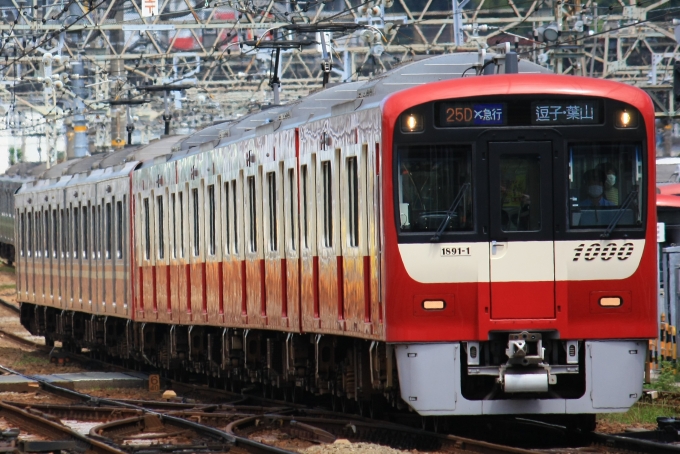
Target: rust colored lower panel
(244,291)
(233,300)
(328,294)
(213,285)
(367,289)
(177,290)
(187,281)
(273,291)
(161,292)
(341,289)
(196,283)
(263,289)
(254,288)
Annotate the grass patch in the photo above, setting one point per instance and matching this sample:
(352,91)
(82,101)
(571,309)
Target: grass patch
(30,360)
(6,269)
(7,287)
(642,413)
(646,411)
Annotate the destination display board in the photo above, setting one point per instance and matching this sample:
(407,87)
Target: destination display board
(488,112)
(453,114)
(565,113)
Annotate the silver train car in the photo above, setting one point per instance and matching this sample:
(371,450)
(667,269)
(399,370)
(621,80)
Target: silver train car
(10,182)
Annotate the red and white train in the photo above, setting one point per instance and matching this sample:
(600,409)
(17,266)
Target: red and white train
(463,245)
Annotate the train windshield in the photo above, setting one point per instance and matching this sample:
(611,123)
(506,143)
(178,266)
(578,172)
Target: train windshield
(435,188)
(605,185)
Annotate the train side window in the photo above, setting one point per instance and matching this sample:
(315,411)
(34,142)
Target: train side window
(93,226)
(29,247)
(55,237)
(181,224)
(124,228)
(22,229)
(38,234)
(365,175)
(147,232)
(197,233)
(606,182)
(252,201)
(108,230)
(68,232)
(235,221)
(100,231)
(227,226)
(273,209)
(86,236)
(305,208)
(327,201)
(291,206)
(161,233)
(64,229)
(353,202)
(430,179)
(173,202)
(48,231)
(211,219)
(76,232)
(119,229)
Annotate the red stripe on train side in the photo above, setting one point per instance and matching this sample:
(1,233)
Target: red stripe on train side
(140,308)
(315,279)
(167,290)
(263,289)
(220,285)
(204,288)
(187,276)
(244,290)
(155,300)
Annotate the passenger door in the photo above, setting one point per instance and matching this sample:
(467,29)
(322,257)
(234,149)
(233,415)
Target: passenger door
(522,269)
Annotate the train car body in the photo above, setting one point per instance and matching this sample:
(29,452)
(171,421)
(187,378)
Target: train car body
(443,246)
(10,182)
(545,254)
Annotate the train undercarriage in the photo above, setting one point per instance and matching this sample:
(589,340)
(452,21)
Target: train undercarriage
(284,365)
(356,374)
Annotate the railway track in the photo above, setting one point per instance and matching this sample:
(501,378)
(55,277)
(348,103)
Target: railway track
(230,423)
(126,420)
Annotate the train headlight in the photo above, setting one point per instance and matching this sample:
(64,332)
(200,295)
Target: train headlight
(611,301)
(626,119)
(411,122)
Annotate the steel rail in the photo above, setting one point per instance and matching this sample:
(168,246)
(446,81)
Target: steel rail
(79,412)
(366,431)
(237,441)
(52,430)
(10,306)
(634,444)
(26,342)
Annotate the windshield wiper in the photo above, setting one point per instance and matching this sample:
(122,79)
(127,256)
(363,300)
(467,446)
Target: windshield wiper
(451,211)
(619,214)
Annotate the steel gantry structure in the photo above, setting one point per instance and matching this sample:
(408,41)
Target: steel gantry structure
(108,68)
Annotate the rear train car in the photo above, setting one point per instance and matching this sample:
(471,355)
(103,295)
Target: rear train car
(461,246)
(10,182)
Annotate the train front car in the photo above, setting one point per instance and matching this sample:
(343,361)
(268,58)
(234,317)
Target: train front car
(519,244)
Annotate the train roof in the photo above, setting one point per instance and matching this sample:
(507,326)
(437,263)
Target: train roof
(100,166)
(333,100)
(342,98)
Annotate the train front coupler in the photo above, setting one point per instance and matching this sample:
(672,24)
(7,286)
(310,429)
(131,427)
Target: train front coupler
(527,369)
